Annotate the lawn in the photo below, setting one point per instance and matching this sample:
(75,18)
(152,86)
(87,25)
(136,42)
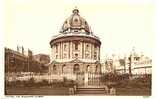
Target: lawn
(37,91)
(133,91)
(135,87)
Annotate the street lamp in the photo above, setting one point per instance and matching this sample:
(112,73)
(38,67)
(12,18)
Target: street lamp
(130,61)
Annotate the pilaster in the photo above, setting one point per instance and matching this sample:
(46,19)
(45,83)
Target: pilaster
(71,49)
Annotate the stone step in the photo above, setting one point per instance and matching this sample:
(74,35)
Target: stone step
(90,91)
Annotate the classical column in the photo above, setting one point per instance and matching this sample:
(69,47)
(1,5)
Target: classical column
(59,50)
(52,53)
(86,79)
(62,49)
(82,49)
(71,49)
(99,53)
(91,51)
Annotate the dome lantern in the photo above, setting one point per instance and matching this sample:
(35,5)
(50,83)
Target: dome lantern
(75,11)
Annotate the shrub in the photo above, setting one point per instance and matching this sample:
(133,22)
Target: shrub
(44,82)
(30,82)
(69,83)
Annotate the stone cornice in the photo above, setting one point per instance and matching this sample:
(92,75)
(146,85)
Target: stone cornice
(75,38)
(75,61)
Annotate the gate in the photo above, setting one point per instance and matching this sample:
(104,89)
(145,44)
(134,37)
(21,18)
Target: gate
(89,80)
(80,79)
(94,79)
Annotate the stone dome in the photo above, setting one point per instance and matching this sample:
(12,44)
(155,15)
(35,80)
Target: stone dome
(75,23)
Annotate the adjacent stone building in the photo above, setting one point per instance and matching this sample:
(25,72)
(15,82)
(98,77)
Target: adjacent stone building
(75,49)
(17,62)
(138,63)
(42,58)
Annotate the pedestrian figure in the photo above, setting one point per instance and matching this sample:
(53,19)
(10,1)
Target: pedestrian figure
(71,91)
(105,89)
(75,88)
(112,91)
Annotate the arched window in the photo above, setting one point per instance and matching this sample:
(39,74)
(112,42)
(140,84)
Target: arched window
(96,68)
(76,68)
(65,47)
(56,48)
(76,55)
(87,47)
(95,55)
(85,23)
(63,68)
(76,46)
(88,69)
(54,68)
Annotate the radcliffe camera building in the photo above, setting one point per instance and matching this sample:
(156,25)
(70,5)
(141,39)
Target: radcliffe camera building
(75,49)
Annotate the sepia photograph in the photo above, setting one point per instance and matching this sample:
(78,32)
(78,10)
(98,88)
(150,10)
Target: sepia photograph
(78,47)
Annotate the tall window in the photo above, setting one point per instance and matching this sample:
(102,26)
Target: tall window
(85,23)
(63,68)
(56,56)
(65,47)
(95,55)
(65,55)
(95,47)
(76,68)
(87,47)
(56,48)
(54,68)
(96,68)
(76,46)
(88,69)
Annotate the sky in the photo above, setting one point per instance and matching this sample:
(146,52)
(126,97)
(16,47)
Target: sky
(120,24)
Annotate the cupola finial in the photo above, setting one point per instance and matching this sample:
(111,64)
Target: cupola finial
(75,11)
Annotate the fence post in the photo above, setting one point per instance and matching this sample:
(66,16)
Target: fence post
(71,91)
(112,91)
(75,88)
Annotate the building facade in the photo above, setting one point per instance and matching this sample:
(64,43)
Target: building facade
(75,49)
(17,62)
(42,58)
(140,64)
(134,63)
